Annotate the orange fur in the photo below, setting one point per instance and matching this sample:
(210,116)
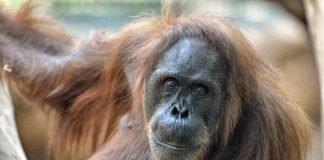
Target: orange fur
(96,90)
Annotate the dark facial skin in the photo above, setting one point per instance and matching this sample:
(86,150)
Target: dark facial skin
(184,96)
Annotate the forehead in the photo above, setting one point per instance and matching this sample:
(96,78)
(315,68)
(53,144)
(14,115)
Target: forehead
(193,58)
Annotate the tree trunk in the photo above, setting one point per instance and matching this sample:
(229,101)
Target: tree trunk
(315,18)
(10,146)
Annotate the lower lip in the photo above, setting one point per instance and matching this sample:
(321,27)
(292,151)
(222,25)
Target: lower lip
(171,146)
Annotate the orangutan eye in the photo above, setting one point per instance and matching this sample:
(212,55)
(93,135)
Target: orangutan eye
(201,89)
(171,83)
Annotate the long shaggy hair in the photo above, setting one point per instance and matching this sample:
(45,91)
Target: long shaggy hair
(102,82)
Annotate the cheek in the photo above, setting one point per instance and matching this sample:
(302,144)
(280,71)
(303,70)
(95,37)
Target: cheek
(151,99)
(213,112)
(154,99)
(210,109)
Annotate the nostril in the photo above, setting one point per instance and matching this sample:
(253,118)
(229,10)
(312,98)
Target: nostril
(179,113)
(175,111)
(185,114)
